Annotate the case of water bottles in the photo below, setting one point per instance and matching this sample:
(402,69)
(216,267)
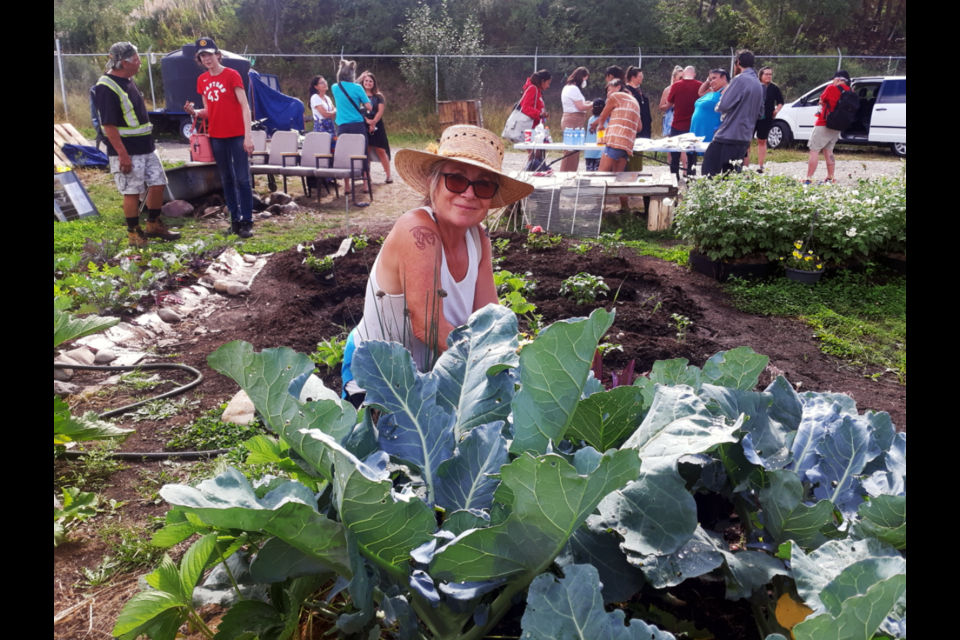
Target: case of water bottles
(574,137)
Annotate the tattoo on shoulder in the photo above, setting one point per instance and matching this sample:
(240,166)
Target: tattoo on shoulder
(423,237)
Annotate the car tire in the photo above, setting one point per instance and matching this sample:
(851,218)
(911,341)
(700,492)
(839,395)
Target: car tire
(899,149)
(780,136)
(186,129)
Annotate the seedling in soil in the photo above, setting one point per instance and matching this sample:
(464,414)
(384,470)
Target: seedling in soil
(501,245)
(540,240)
(683,324)
(606,348)
(360,242)
(507,282)
(208,433)
(581,249)
(330,353)
(99,576)
(584,288)
(319,265)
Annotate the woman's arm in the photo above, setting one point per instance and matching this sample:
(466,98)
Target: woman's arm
(322,110)
(381,107)
(705,88)
(486,293)
(665,100)
(247,120)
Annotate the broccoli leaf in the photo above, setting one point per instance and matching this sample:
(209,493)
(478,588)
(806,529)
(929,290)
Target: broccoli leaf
(860,617)
(288,512)
(738,369)
(473,382)
(787,518)
(67,428)
(465,482)
(669,373)
(620,580)
(844,454)
(885,518)
(416,430)
(572,609)
(815,571)
(605,420)
(702,555)
(554,371)
(67,327)
(857,579)
(550,502)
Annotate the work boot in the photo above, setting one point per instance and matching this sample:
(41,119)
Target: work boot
(156,229)
(233,229)
(246,230)
(138,239)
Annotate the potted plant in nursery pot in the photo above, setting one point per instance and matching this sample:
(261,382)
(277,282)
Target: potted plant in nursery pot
(803,265)
(322,270)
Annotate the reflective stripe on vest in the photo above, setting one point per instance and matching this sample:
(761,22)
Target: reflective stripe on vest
(133,128)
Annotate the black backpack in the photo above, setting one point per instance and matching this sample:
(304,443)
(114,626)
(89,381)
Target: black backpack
(843,117)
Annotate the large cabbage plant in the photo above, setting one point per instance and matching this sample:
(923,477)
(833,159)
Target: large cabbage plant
(509,474)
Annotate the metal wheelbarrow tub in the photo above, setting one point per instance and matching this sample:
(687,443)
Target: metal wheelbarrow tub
(192,182)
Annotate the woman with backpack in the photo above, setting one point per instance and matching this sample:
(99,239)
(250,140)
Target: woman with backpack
(532,104)
(227,110)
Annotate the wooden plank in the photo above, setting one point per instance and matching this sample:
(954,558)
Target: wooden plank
(59,128)
(58,163)
(58,140)
(77,135)
(660,216)
(58,153)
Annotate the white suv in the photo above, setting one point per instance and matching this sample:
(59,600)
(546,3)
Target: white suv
(882,119)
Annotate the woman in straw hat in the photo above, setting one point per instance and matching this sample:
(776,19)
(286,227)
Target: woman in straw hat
(436,266)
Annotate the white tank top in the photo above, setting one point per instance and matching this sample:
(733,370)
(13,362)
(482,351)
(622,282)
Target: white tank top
(384,317)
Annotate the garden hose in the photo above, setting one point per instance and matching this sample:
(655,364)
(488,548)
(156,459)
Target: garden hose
(182,455)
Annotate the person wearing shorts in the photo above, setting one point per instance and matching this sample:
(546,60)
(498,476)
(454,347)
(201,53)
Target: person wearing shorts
(620,120)
(773,103)
(134,162)
(824,139)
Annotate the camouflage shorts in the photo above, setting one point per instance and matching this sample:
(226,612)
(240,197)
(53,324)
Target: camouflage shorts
(147,172)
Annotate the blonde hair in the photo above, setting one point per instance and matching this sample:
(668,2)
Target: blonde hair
(435,181)
(677,71)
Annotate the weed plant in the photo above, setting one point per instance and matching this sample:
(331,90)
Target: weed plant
(330,352)
(209,433)
(92,472)
(860,318)
(161,410)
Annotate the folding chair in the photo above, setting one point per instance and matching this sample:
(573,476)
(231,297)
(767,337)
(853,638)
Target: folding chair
(349,163)
(284,143)
(315,155)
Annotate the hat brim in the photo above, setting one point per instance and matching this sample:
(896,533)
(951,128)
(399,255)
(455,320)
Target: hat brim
(414,168)
(208,50)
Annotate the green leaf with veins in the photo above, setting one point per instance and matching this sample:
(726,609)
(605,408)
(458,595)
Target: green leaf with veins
(738,369)
(605,420)
(550,502)
(860,617)
(67,327)
(885,518)
(788,518)
(553,372)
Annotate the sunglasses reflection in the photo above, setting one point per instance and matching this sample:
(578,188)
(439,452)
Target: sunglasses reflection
(483,189)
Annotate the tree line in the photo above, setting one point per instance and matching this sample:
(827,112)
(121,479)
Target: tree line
(595,27)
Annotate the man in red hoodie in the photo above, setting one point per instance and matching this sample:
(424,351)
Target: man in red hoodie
(824,139)
(683,98)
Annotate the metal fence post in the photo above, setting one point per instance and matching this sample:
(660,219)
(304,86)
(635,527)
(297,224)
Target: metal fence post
(436,61)
(153,93)
(733,63)
(840,61)
(63,85)
(536,61)
(640,62)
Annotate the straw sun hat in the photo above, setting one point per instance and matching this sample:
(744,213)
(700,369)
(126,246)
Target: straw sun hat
(466,145)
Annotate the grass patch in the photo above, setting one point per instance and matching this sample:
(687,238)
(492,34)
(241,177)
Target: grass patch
(858,318)
(658,244)
(208,433)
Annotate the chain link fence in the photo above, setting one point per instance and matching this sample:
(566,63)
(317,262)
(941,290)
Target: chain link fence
(413,84)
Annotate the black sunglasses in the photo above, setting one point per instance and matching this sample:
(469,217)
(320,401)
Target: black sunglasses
(483,189)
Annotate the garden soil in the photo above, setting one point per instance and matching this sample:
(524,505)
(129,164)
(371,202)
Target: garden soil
(288,307)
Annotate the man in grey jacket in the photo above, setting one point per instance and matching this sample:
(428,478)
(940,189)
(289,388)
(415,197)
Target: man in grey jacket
(741,107)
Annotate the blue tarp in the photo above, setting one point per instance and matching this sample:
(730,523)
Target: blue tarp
(85,156)
(282,113)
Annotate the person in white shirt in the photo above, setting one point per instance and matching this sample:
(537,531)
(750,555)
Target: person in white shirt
(324,112)
(575,110)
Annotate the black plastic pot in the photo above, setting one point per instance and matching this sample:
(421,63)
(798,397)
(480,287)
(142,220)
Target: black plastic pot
(804,277)
(327,278)
(723,271)
(900,266)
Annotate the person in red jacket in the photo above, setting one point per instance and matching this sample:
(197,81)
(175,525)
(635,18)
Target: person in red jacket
(683,98)
(824,140)
(226,107)
(532,104)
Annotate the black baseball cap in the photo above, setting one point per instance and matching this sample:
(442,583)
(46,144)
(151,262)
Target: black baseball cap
(207,45)
(843,74)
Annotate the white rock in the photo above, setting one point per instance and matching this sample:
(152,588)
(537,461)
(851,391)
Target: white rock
(81,356)
(250,259)
(314,391)
(105,357)
(222,286)
(62,375)
(238,290)
(240,410)
(169,316)
(280,198)
(266,216)
(291,209)
(64,389)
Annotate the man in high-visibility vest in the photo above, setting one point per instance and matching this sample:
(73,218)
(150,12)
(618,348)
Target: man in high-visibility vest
(134,162)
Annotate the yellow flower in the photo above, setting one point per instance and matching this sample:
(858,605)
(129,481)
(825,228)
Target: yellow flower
(819,266)
(809,259)
(810,252)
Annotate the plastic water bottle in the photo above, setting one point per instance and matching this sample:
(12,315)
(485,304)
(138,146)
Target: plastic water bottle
(567,134)
(582,137)
(539,134)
